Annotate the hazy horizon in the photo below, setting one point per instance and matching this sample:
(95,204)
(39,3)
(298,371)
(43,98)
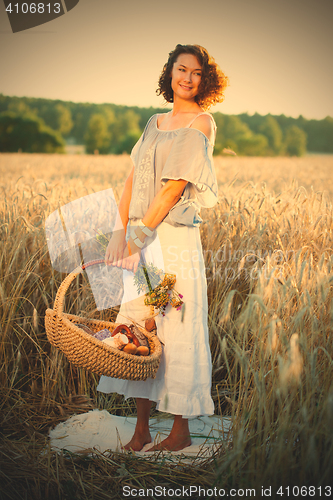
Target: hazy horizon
(168,107)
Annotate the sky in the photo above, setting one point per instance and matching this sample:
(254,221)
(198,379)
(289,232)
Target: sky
(277,55)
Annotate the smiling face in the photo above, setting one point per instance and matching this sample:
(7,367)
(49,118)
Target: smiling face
(186,77)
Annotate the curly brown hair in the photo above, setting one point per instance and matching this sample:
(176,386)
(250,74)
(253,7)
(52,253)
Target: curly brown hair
(213,80)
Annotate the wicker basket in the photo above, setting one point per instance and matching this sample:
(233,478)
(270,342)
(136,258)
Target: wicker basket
(82,349)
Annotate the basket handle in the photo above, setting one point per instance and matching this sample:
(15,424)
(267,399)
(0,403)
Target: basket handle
(59,300)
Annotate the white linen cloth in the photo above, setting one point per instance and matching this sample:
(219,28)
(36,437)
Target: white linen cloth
(101,431)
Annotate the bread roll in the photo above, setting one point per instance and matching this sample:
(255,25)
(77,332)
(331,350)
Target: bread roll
(130,348)
(143,350)
(150,324)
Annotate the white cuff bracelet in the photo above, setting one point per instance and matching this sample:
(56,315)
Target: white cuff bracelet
(145,229)
(136,240)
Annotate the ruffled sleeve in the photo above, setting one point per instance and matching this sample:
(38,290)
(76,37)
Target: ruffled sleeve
(191,159)
(136,148)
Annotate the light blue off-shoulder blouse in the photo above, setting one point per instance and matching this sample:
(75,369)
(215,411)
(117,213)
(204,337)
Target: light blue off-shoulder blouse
(184,153)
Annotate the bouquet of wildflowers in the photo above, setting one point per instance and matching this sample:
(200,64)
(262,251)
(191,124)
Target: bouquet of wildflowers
(159,288)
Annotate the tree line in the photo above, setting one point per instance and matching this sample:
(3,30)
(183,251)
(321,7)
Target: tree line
(45,125)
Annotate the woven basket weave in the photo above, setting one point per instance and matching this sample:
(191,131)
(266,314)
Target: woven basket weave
(86,351)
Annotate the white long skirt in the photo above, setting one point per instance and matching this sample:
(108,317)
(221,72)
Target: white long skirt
(183,381)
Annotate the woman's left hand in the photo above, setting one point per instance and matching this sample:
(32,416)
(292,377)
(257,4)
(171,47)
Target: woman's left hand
(131,256)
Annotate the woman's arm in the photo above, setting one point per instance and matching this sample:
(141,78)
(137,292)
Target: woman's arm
(117,243)
(124,203)
(164,200)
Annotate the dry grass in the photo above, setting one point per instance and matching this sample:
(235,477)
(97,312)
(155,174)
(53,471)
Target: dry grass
(268,251)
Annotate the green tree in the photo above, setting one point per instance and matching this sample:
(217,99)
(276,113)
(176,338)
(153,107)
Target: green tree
(237,136)
(253,122)
(234,128)
(220,138)
(65,122)
(320,135)
(97,136)
(19,107)
(124,130)
(81,117)
(127,143)
(58,117)
(271,129)
(252,145)
(28,134)
(295,141)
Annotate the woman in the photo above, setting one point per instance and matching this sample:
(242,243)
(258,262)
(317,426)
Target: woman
(172,177)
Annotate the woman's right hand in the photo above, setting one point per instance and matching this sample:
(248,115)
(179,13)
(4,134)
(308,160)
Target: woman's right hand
(115,249)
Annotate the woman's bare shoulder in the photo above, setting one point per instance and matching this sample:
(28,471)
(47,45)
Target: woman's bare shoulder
(204,123)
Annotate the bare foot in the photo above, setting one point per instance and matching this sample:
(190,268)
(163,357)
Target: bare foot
(172,443)
(138,441)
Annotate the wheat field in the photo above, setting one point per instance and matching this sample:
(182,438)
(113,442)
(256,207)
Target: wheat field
(268,248)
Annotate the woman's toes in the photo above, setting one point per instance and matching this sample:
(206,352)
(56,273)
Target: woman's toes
(170,444)
(137,442)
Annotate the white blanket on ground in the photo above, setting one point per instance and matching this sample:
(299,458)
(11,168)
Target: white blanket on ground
(101,431)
